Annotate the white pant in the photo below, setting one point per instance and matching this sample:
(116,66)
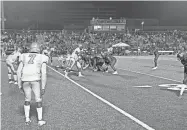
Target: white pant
(11,67)
(34,86)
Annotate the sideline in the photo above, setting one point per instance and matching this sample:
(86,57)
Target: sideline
(151,75)
(107,102)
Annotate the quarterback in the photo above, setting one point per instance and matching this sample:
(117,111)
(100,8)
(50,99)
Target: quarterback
(75,57)
(32,77)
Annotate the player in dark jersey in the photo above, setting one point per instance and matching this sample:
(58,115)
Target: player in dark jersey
(97,63)
(109,61)
(182,56)
(156,55)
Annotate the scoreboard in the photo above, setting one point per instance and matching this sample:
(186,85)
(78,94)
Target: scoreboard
(108,24)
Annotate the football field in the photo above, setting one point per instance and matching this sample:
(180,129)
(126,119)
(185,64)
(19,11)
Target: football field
(131,100)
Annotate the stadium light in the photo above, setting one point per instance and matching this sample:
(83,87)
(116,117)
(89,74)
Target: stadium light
(142,24)
(3,16)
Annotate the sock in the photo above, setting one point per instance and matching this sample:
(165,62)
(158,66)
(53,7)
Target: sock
(9,76)
(39,111)
(15,78)
(155,64)
(27,111)
(80,73)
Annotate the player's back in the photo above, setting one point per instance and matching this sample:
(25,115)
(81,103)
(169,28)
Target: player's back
(32,63)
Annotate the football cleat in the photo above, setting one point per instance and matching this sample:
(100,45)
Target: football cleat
(11,82)
(155,68)
(27,121)
(41,123)
(80,75)
(115,72)
(15,83)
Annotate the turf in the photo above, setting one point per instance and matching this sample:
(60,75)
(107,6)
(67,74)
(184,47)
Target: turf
(66,106)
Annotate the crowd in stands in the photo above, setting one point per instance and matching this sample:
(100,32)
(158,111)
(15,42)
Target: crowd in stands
(65,42)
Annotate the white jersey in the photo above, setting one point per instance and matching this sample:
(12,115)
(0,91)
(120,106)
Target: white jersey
(46,52)
(52,49)
(68,57)
(75,53)
(32,63)
(13,57)
(110,50)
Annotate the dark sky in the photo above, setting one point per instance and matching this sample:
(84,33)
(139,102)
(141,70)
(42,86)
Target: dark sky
(24,13)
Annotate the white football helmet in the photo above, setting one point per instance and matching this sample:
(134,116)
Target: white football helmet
(35,47)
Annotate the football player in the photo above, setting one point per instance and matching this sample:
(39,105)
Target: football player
(110,50)
(182,56)
(75,58)
(47,52)
(109,61)
(12,62)
(97,63)
(52,50)
(156,54)
(32,77)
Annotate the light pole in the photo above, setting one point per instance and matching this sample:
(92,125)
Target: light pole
(142,25)
(110,23)
(3,17)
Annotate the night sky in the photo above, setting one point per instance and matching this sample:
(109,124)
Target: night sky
(23,13)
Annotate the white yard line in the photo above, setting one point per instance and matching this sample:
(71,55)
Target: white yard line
(151,75)
(107,102)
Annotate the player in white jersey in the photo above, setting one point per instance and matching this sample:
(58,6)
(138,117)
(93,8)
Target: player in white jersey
(47,52)
(75,58)
(110,50)
(11,61)
(32,77)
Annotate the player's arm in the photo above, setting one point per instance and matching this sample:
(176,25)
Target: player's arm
(19,71)
(44,75)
